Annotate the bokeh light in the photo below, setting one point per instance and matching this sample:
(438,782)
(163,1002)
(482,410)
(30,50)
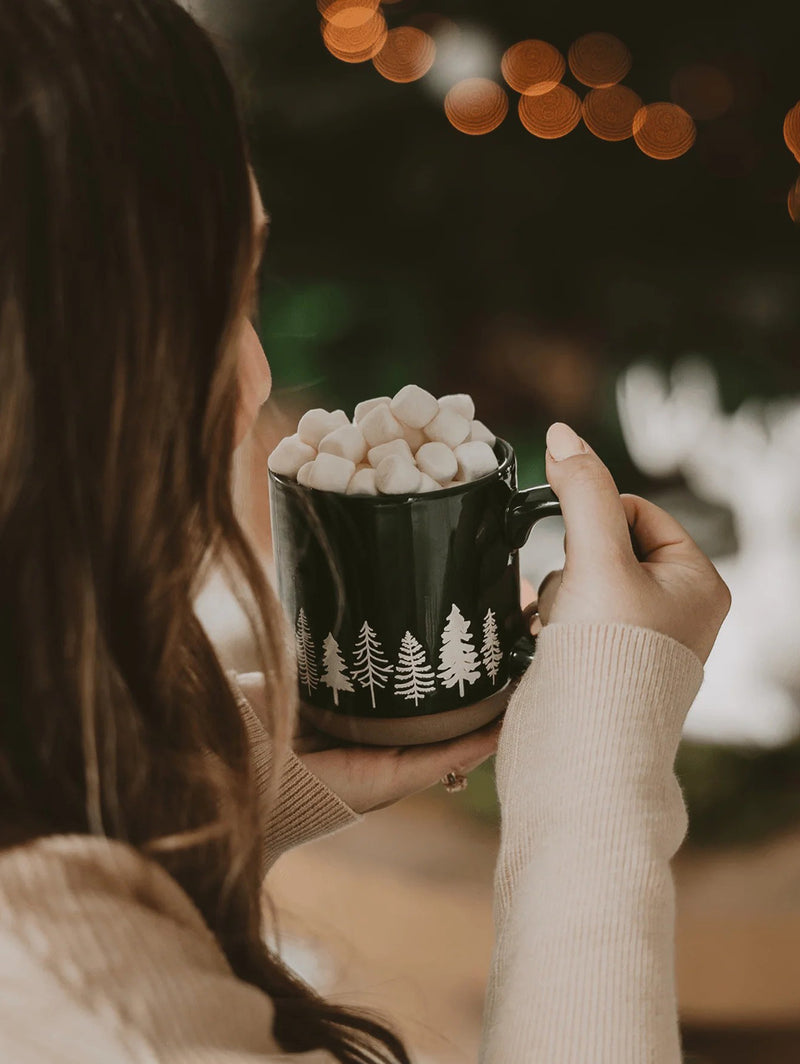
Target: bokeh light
(533,67)
(791,131)
(599,60)
(463,51)
(356,44)
(664,130)
(553,115)
(704,91)
(407,55)
(794,201)
(347,14)
(476,105)
(609,113)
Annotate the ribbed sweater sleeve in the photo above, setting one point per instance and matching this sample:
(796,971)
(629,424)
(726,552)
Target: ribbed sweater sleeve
(305,808)
(591,814)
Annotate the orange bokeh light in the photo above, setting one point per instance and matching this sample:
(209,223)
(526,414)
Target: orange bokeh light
(664,130)
(355,44)
(476,105)
(533,67)
(550,116)
(347,14)
(794,201)
(791,131)
(407,55)
(599,60)
(609,113)
(704,91)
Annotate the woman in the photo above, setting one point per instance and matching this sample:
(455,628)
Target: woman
(142,795)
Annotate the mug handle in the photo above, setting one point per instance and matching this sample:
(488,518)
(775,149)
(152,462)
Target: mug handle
(524,509)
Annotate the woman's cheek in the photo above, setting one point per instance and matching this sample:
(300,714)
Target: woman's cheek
(255,380)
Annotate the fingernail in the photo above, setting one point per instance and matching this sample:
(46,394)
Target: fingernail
(563,443)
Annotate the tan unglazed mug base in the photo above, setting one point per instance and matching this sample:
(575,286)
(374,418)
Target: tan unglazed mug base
(409,731)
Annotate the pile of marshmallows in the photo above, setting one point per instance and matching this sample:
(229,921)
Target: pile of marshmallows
(411,443)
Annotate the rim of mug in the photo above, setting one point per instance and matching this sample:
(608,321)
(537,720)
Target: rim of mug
(387,500)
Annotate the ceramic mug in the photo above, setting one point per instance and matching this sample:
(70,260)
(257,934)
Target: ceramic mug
(406,609)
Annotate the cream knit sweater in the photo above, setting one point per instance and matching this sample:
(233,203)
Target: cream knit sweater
(104,959)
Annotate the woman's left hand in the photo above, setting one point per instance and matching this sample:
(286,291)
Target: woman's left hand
(372,777)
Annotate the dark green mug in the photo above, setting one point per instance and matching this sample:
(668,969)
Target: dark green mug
(406,609)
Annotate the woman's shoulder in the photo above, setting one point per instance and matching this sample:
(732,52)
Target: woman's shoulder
(100,947)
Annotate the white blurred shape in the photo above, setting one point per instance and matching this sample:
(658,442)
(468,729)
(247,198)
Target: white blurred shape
(309,961)
(750,462)
(466,51)
(228,17)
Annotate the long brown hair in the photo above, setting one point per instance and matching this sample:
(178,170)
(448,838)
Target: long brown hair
(126,235)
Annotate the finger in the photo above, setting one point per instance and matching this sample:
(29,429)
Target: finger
(595,520)
(657,535)
(548,590)
(422,766)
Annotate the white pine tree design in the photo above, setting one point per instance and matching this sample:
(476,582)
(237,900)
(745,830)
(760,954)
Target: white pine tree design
(491,651)
(335,674)
(370,667)
(458,658)
(414,678)
(307,668)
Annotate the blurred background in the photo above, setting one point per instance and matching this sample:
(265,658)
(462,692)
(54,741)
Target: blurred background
(563,250)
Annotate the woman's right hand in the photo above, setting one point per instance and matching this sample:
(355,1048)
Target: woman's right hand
(671,587)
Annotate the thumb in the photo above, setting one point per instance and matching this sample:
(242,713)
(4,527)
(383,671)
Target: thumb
(597,528)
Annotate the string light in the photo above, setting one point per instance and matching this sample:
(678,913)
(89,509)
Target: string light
(533,67)
(791,131)
(663,130)
(355,44)
(599,60)
(347,14)
(407,55)
(550,116)
(609,113)
(476,105)
(794,201)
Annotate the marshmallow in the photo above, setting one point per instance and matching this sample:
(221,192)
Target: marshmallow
(414,406)
(414,438)
(480,432)
(462,404)
(475,459)
(331,473)
(315,424)
(347,441)
(380,426)
(437,461)
(427,483)
(448,427)
(363,483)
(399,447)
(304,474)
(290,454)
(397,476)
(369,404)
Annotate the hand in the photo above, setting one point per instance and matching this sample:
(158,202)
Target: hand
(371,777)
(668,585)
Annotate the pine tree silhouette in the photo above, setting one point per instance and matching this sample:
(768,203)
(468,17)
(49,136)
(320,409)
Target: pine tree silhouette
(414,678)
(335,675)
(370,667)
(491,651)
(457,656)
(307,668)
